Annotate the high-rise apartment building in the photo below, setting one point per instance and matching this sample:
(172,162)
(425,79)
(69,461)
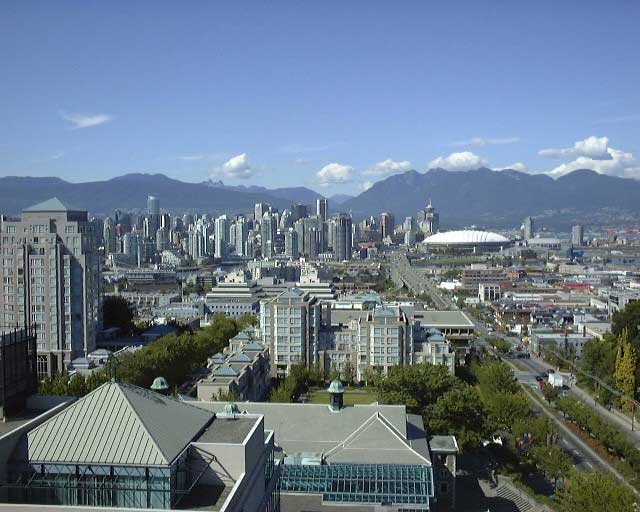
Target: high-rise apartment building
(51,281)
(268,230)
(222,237)
(259,211)
(241,230)
(577,235)
(322,209)
(289,325)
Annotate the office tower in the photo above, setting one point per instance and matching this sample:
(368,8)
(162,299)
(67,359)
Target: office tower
(311,242)
(51,277)
(299,211)
(153,206)
(222,237)
(341,236)
(322,209)
(430,219)
(291,244)
(259,211)
(528,228)
(577,235)
(109,236)
(268,230)
(286,220)
(387,223)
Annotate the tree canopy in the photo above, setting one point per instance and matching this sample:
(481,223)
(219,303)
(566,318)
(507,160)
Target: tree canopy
(595,492)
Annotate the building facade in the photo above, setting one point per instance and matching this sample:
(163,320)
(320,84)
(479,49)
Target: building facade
(51,280)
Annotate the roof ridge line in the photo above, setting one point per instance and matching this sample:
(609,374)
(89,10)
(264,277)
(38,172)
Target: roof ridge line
(144,425)
(342,443)
(398,434)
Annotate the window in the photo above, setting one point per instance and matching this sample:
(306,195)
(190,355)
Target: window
(69,229)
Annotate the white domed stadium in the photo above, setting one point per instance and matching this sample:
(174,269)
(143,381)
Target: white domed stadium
(467,239)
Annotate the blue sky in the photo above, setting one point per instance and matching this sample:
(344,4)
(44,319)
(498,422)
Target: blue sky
(330,95)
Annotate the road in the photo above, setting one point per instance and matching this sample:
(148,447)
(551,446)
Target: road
(402,272)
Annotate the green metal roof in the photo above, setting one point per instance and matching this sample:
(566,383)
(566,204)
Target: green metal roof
(336,387)
(118,424)
(50,205)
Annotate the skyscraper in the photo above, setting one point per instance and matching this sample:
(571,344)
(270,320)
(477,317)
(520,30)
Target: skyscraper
(153,205)
(241,236)
(222,237)
(577,235)
(322,208)
(430,219)
(341,237)
(268,231)
(528,228)
(291,244)
(259,211)
(299,211)
(109,236)
(51,276)
(387,223)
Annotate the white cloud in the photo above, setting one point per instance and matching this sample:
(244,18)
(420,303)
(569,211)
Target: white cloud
(481,141)
(366,185)
(85,121)
(463,161)
(387,167)
(621,163)
(334,173)
(595,148)
(237,167)
(517,166)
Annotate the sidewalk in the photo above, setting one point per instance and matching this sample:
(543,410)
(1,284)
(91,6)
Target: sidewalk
(614,416)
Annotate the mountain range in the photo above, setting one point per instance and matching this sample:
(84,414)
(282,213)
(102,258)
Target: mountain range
(480,197)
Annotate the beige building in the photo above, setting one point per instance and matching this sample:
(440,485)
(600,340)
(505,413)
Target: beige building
(51,280)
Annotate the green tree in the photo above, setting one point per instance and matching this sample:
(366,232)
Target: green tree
(550,392)
(626,366)
(595,492)
(553,461)
(116,312)
(505,408)
(627,319)
(458,412)
(416,386)
(348,373)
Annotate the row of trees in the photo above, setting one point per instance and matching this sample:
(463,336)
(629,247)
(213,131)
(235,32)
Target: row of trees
(173,357)
(614,359)
(607,434)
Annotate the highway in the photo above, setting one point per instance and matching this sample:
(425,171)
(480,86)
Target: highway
(402,272)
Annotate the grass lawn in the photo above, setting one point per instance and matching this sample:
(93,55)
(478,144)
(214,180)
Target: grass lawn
(352,398)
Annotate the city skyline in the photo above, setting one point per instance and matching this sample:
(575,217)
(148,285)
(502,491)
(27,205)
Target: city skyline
(415,88)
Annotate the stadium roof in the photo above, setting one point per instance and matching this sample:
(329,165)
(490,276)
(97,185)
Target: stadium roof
(466,237)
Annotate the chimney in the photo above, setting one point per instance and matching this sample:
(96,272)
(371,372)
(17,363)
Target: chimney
(336,393)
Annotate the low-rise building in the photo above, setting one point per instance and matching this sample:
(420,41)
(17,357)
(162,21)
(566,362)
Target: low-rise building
(242,371)
(149,451)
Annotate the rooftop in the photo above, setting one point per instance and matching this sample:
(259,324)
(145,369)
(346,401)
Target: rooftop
(444,319)
(51,205)
(118,424)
